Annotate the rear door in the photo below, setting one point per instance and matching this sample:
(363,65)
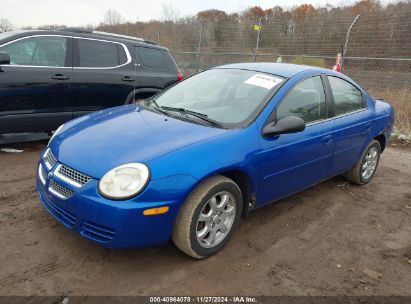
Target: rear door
(103,75)
(35,89)
(352,125)
(157,68)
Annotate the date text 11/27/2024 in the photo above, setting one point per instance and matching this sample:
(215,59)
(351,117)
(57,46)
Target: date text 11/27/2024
(204,299)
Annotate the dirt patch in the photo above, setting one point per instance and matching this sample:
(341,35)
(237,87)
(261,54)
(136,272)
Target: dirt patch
(333,239)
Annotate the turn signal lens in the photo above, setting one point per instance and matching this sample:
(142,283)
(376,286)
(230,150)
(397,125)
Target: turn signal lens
(153,211)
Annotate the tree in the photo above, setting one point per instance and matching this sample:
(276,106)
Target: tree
(303,11)
(255,12)
(112,17)
(170,13)
(365,6)
(5,25)
(212,15)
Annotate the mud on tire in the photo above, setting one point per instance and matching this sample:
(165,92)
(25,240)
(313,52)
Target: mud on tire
(198,214)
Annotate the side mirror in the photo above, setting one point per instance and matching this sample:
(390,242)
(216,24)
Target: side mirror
(4,58)
(288,124)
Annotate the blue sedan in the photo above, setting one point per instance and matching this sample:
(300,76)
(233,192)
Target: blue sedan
(188,163)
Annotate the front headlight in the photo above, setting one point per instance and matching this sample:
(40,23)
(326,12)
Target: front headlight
(124,181)
(55,133)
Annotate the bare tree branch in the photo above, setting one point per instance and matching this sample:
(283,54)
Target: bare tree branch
(170,13)
(5,25)
(112,17)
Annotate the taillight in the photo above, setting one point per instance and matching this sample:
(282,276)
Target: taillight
(180,76)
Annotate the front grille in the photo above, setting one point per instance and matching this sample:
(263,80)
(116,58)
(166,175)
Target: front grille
(59,190)
(66,218)
(97,232)
(72,175)
(42,174)
(49,159)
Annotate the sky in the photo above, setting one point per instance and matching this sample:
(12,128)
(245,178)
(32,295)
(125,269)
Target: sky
(84,12)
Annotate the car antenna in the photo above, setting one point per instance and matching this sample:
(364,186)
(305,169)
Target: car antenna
(135,75)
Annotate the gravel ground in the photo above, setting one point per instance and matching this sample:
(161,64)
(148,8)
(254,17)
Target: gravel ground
(333,239)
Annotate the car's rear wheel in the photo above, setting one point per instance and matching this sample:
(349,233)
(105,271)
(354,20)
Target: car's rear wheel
(208,218)
(364,170)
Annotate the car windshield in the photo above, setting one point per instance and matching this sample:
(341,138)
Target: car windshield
(229,97)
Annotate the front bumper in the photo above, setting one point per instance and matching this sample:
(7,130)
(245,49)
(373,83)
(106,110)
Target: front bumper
(116,224)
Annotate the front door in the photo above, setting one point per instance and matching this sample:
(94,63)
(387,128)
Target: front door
(35,88)
(292,162)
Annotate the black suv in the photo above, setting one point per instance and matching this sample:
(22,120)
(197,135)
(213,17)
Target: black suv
(49,77)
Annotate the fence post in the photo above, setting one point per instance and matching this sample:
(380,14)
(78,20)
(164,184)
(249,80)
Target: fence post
(200,38)
(258,40)
(347,38)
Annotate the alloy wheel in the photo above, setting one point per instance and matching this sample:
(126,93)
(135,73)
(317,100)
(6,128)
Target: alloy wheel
(369,163)
(216,219)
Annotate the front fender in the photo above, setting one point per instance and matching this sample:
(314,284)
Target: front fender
(235,150)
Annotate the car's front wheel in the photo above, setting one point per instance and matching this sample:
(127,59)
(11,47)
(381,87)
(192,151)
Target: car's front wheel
(364,170)
(208,218)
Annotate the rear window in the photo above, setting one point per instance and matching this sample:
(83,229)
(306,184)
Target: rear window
(99,54)
(347,98)
(155,58)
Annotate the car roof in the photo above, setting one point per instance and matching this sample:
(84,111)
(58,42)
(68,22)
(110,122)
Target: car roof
(82,34)
(286,70)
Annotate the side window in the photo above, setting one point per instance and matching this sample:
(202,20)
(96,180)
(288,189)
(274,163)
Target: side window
(99,54)
(347,98)
(305,100)
(155,58)
(38,51)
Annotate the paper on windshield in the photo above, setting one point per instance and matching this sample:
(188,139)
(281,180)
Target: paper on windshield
(264,81)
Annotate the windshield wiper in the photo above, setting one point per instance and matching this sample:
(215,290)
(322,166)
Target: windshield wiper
(196,114)
(157,107)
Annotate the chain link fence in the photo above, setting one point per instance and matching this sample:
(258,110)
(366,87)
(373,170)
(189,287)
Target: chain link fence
(371,73)
(376,48)
(386,78)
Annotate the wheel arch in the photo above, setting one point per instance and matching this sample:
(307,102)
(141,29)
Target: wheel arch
(382,140)
(141,92)
(243,180)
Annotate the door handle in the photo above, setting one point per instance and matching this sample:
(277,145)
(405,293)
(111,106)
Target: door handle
(60,77)
(326,140)
(127,78)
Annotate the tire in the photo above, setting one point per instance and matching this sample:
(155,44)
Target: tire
(370,160)
(194,235)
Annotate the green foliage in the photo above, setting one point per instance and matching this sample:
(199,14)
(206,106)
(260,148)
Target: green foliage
(301,59)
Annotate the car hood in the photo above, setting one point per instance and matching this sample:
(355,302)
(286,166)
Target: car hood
(96,143)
